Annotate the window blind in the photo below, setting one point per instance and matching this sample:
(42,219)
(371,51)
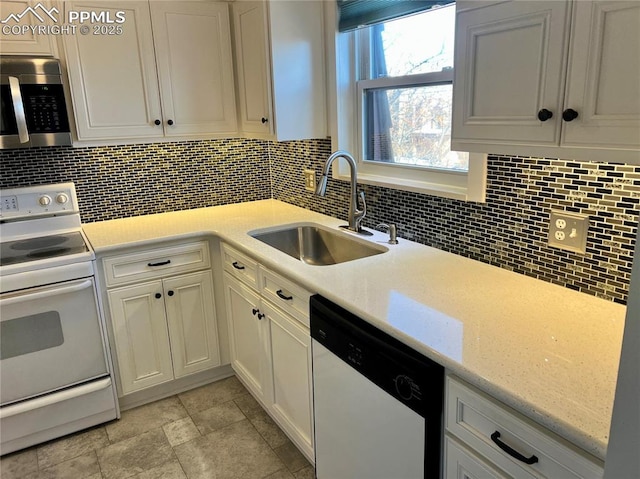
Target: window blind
(357,13)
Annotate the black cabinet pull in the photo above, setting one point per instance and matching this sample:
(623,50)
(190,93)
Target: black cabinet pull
(158,296)
(255,311)
(264,120)
(237,265)
(170,293)
(157,122)
(512,452)
(260,315)
(282,296)
(569,114)
(169,122)
(161,263)
(544,115)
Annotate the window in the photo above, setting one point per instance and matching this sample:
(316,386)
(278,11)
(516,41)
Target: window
(395,82)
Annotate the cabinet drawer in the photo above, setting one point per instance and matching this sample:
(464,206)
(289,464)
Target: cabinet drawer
(240,265)
(286,295)
(135,267)
(474,418)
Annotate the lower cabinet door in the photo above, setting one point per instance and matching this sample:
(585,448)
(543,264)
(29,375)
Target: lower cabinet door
(192,324)
(292,384)
(460,463)
(248,340)
(141,336)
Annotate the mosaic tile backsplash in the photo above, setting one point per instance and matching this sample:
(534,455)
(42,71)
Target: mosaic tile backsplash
(120,181)
(509,230)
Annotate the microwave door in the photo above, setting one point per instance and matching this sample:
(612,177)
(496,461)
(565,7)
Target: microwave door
(18,108)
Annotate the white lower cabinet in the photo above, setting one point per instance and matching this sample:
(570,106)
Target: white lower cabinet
(461,463)
(271,344)
(164,328)
(486,439)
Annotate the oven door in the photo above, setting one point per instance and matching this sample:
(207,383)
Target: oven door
(50,338)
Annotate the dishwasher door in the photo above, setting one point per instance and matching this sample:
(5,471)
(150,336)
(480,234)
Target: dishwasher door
(362,431)
(377,403)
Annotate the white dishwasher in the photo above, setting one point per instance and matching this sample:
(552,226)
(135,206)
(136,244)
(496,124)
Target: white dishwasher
(377,403)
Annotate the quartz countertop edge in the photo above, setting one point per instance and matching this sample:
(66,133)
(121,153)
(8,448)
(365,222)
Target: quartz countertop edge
(548,352)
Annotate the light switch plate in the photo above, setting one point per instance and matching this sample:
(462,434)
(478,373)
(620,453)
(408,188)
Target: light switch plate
(568,231)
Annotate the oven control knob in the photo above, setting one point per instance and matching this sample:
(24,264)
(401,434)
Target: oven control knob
(61,198)
(44,200)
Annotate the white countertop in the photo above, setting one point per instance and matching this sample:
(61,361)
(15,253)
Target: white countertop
(547,351)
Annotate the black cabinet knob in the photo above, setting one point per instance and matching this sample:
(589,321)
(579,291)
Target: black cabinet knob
(170,293)
(569,114)
(158,296)
(264,120)
(260,315)
(544,114)
(157,122)
(169,122)
(255,311)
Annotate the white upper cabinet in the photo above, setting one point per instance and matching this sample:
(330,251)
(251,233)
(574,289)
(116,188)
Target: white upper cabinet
(279,54)
(13,43)
(113,78)
(195,67)
(557,79)
(166,72)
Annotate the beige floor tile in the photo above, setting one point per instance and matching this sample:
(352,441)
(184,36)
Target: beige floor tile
(268,429)
(170,470)
(135,455)
(217,417)
(75,445)
(145,418)
(292,457)
(233,452)
(18,464)
(180,431)
(212,394)
(81,467)
(281,474)
(306,473)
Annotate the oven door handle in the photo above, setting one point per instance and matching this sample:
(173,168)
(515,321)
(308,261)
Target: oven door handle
(53,398)
(47,293)
(18,108)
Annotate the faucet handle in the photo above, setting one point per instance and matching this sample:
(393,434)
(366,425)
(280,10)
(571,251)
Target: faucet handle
(393,232)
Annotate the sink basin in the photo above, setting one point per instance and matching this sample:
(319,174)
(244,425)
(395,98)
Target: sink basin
(316,245)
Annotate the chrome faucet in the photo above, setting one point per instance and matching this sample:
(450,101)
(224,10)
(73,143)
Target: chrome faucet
(355,215)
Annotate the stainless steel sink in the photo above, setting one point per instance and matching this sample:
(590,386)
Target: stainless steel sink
(314,244)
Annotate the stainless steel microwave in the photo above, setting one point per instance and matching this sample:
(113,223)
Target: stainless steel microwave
(34,111)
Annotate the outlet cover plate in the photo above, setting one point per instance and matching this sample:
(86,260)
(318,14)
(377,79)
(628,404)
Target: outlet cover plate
(310,180)
(568,231)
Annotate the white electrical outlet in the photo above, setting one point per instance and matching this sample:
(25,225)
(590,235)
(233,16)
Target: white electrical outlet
(568,231)
(309,180)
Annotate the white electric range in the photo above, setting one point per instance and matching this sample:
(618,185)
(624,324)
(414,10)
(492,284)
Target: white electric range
(55,370)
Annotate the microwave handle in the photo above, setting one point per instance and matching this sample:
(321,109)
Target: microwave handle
(18,108)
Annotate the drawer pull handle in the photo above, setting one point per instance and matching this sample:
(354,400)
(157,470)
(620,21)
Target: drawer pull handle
(237,265)
(512,452)
(161,263)
(282,295)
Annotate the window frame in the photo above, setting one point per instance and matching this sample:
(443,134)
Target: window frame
(346,124)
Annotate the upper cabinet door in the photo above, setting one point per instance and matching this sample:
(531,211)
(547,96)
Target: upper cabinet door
(113,77)
(254,79)
(509,62)
(36,13)
(195,67)
(603,84)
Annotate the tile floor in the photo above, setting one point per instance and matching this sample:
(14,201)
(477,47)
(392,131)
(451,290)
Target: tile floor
(217,431)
